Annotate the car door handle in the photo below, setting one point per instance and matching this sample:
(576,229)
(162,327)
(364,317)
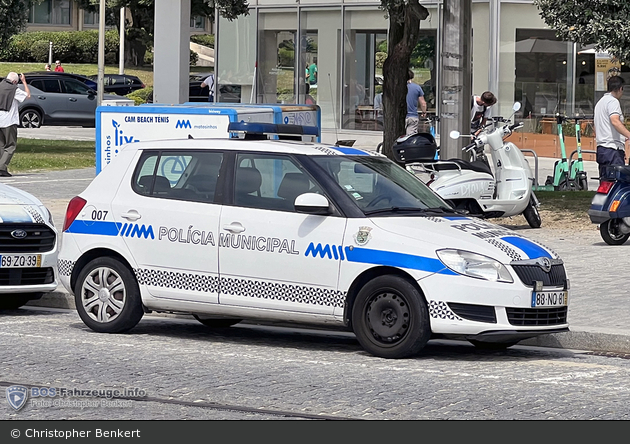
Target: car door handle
(234,227)
(41,97)
(72,99)
(131,215)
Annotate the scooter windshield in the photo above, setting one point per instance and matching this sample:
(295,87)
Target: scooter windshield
(377,184)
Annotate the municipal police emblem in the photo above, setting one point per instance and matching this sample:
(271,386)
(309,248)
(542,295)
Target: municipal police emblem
(363,235)
(17,395)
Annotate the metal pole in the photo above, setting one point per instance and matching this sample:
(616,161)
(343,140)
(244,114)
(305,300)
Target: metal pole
(101,53)
(121,56)
(50,45)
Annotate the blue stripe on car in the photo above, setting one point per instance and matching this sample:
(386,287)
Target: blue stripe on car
(95,227)
(528,247)
(350,151)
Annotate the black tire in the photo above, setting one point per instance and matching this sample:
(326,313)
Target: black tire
(563,186)
(30,118)
(583,183)
(611,234)
(532,216)
(217,323)
(15,301)
(492,345)
(390,318)
(99,307)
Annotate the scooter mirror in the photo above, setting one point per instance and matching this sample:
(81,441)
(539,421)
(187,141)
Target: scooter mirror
(454,134)
(516,106)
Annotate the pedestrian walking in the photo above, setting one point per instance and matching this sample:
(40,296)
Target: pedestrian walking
(415,97)
(58,67)
(610,131)
(209,82)
(10,98)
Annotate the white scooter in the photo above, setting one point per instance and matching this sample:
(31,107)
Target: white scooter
(472,186)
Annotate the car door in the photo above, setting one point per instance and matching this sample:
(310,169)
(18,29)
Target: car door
(80,102)
(271,256)
(49,96)
(169,223)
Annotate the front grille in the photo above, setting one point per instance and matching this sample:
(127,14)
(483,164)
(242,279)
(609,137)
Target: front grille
(530,273)
(537,316)
(26,276)
(39,238)
(479,313)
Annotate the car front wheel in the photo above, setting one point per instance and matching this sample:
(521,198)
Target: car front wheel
(30,118)
(390,318)
(107,296)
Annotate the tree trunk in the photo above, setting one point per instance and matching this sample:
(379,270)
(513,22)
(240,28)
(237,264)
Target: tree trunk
(404,32)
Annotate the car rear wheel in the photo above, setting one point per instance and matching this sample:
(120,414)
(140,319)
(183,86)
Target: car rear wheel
(30,118)
(390,318)
(107,296)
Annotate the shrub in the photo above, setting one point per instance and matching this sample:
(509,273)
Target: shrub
(139,96)
(203,39)
(194,58)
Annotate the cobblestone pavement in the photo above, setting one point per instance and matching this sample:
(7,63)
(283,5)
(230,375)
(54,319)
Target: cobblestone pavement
(253,372)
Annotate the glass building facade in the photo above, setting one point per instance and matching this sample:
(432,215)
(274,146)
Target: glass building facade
(270,56)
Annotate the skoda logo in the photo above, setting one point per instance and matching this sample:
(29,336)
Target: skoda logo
(545,264)
(18,234)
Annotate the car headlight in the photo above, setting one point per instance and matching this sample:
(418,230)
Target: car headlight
(474,265)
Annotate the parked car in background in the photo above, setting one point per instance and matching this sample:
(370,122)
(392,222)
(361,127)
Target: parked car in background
(81,78)
(28,248)
(57,99)
(227,93)
(121,84)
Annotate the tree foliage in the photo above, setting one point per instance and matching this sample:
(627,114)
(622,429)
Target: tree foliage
(604,23)
(404,31)
(13,18)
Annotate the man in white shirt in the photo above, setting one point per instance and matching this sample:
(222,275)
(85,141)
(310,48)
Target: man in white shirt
(10,98)
(209,82)
(610,131)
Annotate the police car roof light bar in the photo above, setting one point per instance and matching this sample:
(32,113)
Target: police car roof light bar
(257,129)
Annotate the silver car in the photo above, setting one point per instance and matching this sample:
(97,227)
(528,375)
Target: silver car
(59,100)
(28,248)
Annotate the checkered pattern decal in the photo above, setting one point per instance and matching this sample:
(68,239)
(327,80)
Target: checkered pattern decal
(514,255)
(439,310)
(181,281)
(37,218)
(283,292)
(65,267)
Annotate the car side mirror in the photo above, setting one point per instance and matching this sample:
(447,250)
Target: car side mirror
(312,203)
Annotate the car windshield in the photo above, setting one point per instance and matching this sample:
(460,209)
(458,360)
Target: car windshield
(379,186)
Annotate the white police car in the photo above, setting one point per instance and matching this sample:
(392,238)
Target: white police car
(228,230)
(28,248)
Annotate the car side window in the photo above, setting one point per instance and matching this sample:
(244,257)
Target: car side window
(75,87)
(51,86)
(270,182)
(192,176)
(37,84)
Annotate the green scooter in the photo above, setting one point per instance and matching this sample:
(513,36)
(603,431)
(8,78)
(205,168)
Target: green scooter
(560,179)
(577,175)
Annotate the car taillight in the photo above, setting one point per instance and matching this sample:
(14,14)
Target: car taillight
(605,186)
(74,208)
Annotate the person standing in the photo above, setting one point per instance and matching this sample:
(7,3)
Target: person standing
(10,98)
(47,67)
(58,67)
(415,98)
(209,82)
(378,108)
(610,131)
(312,73)
(481,111)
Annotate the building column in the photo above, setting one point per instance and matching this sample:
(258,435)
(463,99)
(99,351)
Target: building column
(171,56)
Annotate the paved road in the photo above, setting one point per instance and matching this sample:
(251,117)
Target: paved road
(260,372)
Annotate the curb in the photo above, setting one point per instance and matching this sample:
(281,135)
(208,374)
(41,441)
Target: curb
(578,338)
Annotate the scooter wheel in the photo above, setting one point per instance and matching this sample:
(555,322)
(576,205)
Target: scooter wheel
(583,184)
(532,216)
(611,234)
